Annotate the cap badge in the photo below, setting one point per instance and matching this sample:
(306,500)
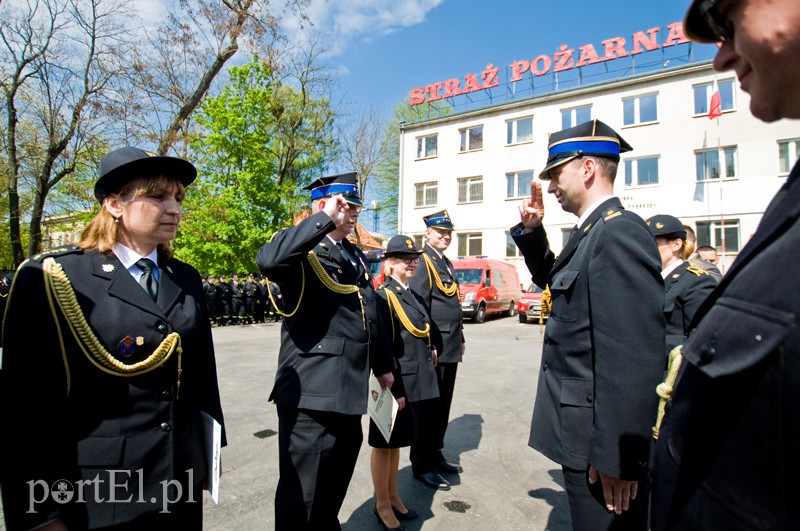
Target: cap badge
(659,225)
(150,154)
(409,244)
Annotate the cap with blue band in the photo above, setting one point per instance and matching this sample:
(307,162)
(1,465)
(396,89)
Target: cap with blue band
(440,220)
(344,184)
(592,138)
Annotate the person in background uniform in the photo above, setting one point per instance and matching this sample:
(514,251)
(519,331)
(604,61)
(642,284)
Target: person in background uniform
(238,301)
(727,454)
(224,297)
(330,338)
(686,286)
(694,259)
(414,379)
(5,286)
(250,293)
(709,254)
(210,294)
(435,282)
(276,301)
(262,300)
(110,406)
(603,353)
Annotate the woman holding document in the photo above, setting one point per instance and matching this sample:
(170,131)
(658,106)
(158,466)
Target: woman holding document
(108,366)
(414,381)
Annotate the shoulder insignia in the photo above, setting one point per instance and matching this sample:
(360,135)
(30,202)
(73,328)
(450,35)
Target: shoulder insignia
(697,271)
(611,214)
(58,251)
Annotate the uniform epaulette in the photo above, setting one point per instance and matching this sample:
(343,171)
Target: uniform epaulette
(611,213)
(58,251)
(697,271)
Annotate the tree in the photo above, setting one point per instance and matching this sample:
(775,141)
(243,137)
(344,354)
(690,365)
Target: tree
(175,70)
(262,138)
(57,58)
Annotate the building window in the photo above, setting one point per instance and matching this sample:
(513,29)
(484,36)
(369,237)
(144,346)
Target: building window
(518,184)
(641,171)
(419,240)
(519,130)
(710,233)
(788,152)
(470,244)
(470,189)
(427,194)
(575,116)
(512,251)
(708,163)
(703,93)
(427,146)
(565,236)
(640,109)
(471,139)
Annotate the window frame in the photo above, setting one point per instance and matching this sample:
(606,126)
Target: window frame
(512,131)
(722,159)
(434,186)
(791,160)
(422,146)
(467,238)
(465,142)
(512,245)
(573,115)
(637,113)
(709,91)
(705,229)
(634,161)
(515,175)
(469,182)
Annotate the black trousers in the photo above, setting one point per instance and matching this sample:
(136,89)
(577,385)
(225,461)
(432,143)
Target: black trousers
(434,414)
(588,507)
(317,455)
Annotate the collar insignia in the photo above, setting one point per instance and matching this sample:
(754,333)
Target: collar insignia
(108,268)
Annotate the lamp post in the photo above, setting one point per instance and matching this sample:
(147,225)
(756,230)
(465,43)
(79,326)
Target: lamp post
(375,216)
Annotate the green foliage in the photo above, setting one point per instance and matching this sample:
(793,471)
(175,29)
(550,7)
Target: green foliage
(245,191)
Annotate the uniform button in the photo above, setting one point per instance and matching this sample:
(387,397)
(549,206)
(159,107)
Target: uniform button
(544,367)
(589,399)
(166,395)
(707,353)
(166,426)
(319,347)
(162,328)
(319,225)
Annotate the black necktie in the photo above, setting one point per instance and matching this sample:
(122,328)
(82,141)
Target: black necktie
(346,255)
(148,279)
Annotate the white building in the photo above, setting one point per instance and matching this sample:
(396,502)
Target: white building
(712,174)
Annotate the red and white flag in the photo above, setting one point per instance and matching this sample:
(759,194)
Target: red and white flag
(715,107)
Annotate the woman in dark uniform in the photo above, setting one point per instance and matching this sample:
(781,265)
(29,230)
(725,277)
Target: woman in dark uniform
(686,286)
(414,381)
(109,366)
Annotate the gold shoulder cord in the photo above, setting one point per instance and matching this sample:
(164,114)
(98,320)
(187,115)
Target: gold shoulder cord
(394,304)
(59,290)
(664,389)
(327,281)
(448,292)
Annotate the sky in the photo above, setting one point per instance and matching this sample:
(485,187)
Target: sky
(381,49)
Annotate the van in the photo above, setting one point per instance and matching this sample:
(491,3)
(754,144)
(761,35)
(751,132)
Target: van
(486,286)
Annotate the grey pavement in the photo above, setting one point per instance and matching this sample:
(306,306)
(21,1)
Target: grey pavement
(505,485)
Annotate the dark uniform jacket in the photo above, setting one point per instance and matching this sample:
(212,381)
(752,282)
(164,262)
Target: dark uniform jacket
(67,416)
(445,311)
(603,353)
(330,340)
(727,456)
(686,288)
(417,374)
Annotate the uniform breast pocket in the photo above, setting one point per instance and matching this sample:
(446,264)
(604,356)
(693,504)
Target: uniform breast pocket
(562,291)
(409,367)
(97,452)
(318,367)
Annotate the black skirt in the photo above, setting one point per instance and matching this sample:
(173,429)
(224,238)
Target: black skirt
(403,433)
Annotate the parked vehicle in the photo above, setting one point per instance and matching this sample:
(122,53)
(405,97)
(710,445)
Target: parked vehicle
(486,286)
(530,305)
(375,260)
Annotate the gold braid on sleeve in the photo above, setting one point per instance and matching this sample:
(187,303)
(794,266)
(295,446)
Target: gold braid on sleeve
(328,282)
(59,289)
(394,304)
(664,389)
(448,292)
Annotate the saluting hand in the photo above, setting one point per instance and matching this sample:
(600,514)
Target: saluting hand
(336,208)
(531,211)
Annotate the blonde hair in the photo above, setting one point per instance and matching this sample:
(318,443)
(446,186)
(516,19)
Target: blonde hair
(103,231)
